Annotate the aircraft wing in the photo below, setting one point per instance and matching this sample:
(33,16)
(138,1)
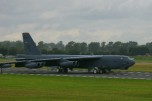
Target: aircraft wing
(7,64)
(50,61)
(67,58)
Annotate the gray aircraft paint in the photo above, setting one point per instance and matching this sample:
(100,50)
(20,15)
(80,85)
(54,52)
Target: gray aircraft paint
(34,59)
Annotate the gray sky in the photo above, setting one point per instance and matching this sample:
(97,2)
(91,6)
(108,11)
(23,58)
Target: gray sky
(77,20)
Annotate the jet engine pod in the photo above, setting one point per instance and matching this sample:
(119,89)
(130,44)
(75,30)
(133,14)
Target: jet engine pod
(34,65)
(5,65)
(69,64)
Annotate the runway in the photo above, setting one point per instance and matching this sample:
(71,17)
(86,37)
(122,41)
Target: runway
(79,73)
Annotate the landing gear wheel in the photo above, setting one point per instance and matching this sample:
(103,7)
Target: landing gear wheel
(96,70)
(59,70)
(89,70)
(108,70)
(65,70)
(103,71)
(62,70)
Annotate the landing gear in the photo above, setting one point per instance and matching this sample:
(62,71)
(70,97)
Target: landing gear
(97,70)
(65,70)
(103,71)
(1,70)
(108,70)
(62,70)
(89,70)
(59,70)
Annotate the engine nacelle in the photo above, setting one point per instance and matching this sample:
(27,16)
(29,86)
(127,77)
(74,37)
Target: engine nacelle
(6,66)
(69,64)
(34,65)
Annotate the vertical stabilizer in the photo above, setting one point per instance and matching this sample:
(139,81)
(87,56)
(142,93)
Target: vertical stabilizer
(29,45)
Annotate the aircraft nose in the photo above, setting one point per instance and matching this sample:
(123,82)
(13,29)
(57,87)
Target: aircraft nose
(132,61)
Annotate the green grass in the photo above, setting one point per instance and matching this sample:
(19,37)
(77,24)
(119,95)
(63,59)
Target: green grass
(6,60)
(147,59)
(141,67)
(49,88)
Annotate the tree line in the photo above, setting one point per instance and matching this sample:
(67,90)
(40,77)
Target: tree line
(130,48)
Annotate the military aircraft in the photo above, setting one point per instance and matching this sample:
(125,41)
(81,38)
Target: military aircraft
(96,63)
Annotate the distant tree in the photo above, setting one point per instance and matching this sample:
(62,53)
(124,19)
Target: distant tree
(44,47)
(128,48)
(103,44)
(140,50)
(19,47)
(70,47)
(132,44)
(94,47)
(60,45)
(41,45)
(83,48)
(149,46)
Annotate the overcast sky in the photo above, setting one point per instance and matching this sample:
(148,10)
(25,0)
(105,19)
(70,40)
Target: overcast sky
(77,20)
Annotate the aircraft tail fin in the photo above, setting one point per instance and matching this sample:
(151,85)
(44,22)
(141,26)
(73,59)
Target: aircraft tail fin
(30,47)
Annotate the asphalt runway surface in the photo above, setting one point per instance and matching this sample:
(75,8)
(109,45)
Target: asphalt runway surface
(79,73)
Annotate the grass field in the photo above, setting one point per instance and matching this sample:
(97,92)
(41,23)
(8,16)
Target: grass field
(141,59)
(6,60)
(49,88)
(141,67)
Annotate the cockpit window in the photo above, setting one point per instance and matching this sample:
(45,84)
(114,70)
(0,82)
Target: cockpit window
(124,58)
(131,59)
(127,57)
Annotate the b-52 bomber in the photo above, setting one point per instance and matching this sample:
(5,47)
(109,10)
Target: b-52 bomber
(96,63)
